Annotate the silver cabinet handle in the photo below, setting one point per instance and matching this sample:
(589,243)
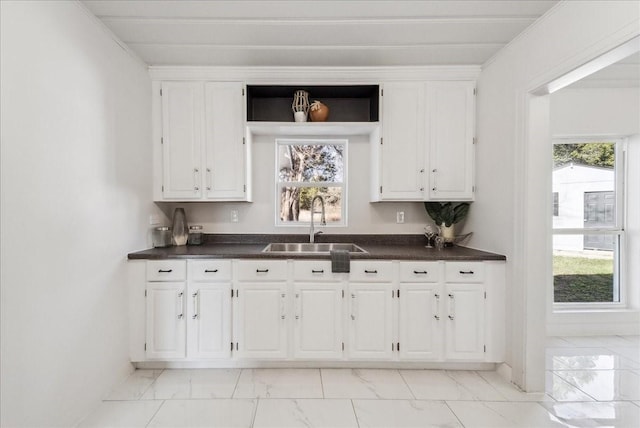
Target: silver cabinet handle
(196,304)
(181,305)
(196,179)
(208,178)
(452,306)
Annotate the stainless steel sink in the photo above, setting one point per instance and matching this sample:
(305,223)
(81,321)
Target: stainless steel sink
(305,248)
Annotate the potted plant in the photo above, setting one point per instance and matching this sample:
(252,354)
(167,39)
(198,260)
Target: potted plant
(446,215)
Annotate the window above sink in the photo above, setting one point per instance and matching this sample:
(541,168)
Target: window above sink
(306,168)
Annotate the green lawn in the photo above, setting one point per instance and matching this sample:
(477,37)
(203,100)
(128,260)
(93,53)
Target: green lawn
(580,279)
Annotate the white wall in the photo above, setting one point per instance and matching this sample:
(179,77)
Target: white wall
(595,111)
(513,200)
(76,192)
(259,216)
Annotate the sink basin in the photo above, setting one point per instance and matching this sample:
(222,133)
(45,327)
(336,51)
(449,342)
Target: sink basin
(322,248)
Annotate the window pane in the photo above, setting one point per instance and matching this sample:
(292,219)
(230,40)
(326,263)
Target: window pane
(311,163)
(585,268)
(295,204)
(584,182)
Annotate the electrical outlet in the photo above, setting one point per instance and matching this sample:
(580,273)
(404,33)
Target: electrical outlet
(399,216)
(234,216)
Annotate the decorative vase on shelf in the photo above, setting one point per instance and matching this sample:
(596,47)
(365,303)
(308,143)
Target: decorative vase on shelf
(300,106)
(180,230)
(318,112)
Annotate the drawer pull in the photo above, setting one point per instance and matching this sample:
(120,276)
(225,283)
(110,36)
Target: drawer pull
(370,271)
(317,271)
(420,272)
(468,272)
(437,317)
(210,270)
(262,270)
(451,317)
(165,270)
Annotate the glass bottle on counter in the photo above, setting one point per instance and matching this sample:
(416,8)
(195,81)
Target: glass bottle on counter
(195,235)
(161,237)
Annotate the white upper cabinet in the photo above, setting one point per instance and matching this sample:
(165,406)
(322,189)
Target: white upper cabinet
(451,113)
(204,155)
(402,152)
(427,146)
(181,140)
(225,147)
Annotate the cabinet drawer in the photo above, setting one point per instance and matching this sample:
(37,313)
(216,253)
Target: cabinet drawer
(464,271)
(166,270)
(209,270)
(420,271)
(265,270)
(314,270)
(371,271)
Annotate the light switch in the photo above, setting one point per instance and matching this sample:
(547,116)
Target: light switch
(399,216)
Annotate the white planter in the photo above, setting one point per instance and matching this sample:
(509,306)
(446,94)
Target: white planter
(448,233)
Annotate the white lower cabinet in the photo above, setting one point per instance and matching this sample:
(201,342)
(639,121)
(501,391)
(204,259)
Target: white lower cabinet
(442,311)
(317,321)
(420,325)
(166,324)
(464,322)
(209,309)
(261,309)
(278,310)
(371,319)
(260,330)
(209,320)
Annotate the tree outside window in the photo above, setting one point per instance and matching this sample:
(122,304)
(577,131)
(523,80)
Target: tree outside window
(307,168)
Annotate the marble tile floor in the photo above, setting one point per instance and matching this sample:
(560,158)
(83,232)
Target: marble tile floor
(590,382)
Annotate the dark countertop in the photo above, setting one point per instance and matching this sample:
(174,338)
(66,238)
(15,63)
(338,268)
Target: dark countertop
(250,246)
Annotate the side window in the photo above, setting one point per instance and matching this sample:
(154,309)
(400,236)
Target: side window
(588,229)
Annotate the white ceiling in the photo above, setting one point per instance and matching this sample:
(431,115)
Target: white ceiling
(317,32)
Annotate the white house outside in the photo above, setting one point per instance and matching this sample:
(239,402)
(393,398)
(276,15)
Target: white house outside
(583,197)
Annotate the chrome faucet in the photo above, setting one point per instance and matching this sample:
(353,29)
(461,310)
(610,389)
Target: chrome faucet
(323,220)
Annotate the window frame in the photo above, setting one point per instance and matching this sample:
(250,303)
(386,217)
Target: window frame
(618,230)
(343,185)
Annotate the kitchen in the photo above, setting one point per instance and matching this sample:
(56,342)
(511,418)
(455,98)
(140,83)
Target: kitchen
(77,193)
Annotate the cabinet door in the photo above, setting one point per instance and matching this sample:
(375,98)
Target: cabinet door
(465,321)
(451,110)
(402,168)
(371,321)
(181,140)
(318,321)
(225,149)
(260,323)
(421,322)
(209,320)
(166,324)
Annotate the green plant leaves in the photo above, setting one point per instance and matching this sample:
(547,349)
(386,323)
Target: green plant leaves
(447,212)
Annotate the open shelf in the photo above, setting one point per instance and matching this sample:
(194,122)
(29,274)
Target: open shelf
(347,103)
(312,128)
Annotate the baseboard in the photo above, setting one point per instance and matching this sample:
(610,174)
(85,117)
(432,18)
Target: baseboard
(593,323)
